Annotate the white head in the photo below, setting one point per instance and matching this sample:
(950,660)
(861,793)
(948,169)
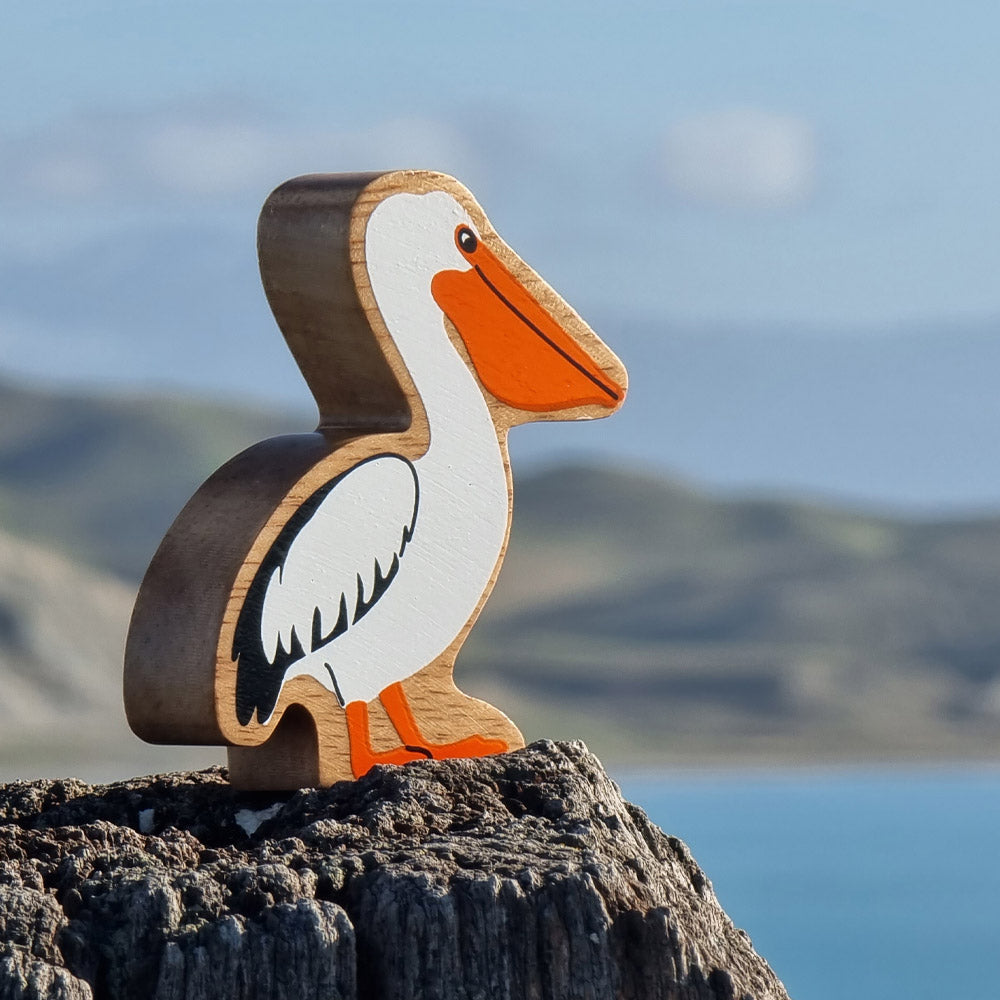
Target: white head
(427,259)
(410,238)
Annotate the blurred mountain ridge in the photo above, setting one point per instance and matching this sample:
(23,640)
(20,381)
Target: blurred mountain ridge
(645,615)
(724,628)
(101,477)
(903,415)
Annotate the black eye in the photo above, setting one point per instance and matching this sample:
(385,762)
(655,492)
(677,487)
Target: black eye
(466,239)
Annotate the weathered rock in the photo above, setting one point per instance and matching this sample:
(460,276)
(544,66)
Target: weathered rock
(520,876)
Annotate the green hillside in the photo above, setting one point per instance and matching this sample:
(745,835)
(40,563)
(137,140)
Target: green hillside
(650,618)
(102,478)
(721,627)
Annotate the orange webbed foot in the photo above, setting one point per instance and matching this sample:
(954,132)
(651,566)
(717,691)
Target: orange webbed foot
(363,757)
(471,746)
(398,709)
(363,760)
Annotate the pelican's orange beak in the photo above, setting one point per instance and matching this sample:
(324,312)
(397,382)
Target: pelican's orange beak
(523,356)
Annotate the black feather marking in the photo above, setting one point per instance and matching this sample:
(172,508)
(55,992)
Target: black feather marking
(336,686)
(364,605)
(258,680)
(359,601)
(318,639)
(317,628)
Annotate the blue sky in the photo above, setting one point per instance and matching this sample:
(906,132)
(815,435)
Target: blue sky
(772,174)
(867,196)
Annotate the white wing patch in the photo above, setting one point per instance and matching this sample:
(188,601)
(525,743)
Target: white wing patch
(343,558)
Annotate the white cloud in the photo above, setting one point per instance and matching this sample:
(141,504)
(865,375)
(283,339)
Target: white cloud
(209,153)
(741,158)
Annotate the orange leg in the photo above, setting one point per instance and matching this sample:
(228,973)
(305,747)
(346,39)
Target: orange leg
(394,701)
(363,757)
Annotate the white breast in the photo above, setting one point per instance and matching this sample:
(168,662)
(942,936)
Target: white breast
(442,572)
(462,510)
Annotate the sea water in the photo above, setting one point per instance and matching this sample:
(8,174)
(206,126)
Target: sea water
(856,885)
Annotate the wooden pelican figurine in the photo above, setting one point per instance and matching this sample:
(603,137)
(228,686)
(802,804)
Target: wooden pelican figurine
(307,605)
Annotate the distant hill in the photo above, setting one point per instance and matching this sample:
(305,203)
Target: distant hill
(906,415)
(698,627)
(649,617)
(62,632)
(102,477)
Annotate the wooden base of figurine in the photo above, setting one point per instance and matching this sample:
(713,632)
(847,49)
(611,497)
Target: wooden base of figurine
(384,731)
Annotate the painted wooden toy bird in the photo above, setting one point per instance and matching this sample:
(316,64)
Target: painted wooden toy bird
(307,605)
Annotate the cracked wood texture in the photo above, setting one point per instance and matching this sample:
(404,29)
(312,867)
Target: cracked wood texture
(519,876)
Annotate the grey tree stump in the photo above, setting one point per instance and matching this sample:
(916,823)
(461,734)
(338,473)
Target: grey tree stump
(523,876)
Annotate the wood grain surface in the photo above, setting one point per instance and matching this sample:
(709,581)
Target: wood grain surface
(423,338)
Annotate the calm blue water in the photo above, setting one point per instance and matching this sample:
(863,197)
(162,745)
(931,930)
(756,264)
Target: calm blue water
(854,886)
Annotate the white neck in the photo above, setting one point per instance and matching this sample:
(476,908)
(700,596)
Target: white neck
(464,499)
(461,426)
